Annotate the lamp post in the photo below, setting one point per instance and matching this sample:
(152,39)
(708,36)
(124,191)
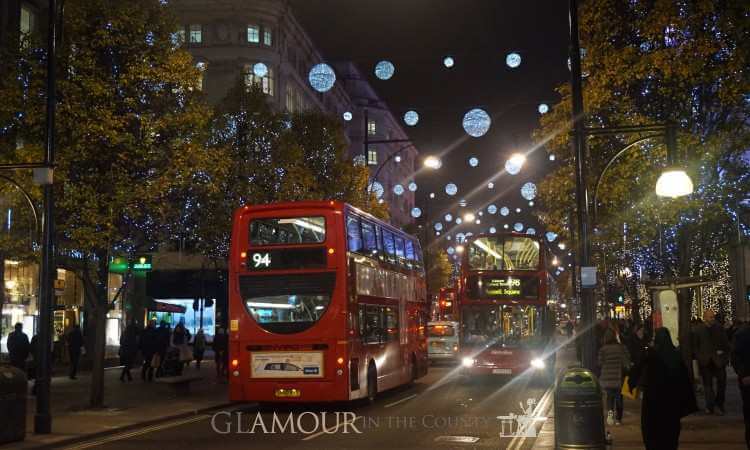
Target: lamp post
(673,182)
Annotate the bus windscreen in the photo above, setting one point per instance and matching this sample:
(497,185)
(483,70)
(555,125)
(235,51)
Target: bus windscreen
(288,230)
(504,253)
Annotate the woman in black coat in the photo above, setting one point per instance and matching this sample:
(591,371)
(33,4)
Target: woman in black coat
(128,350)
(667,394)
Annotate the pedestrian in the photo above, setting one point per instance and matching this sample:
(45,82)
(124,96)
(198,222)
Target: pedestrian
(221,345)
(614,361)
(148,345)
(668,394)
(199,347)
(18,347)
(712,352)
(163,338)
(741,364)
(180,340)
(128,350)
(75,342)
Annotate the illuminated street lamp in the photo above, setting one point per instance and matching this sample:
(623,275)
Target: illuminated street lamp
(514,164)
(433,162)
(459,249)
(674,182)
(469,217)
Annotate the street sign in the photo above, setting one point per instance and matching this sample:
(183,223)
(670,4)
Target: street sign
(142,262)
(588,276)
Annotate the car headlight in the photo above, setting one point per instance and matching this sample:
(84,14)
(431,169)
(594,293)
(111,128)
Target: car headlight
(455,348)
(537,363)
(467,362)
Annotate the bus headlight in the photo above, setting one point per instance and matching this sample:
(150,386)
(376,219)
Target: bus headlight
(467,362)
(537,363)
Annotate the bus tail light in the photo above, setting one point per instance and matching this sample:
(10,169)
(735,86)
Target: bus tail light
(340,361)
(331,251)
(235,363)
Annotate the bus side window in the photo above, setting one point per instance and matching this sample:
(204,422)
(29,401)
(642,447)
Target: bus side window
(370,238)
(418,254)
(391,324)
(379,239)
(373,325)
(400,252)
(410,253)
(354,235)
(390,247)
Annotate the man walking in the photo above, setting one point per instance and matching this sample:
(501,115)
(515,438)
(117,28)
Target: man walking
(741,364)
(75,342)
(221,345)
(148,345)
(712,353)
(18,347)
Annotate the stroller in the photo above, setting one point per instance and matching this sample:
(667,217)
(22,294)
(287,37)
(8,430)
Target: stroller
(172,366)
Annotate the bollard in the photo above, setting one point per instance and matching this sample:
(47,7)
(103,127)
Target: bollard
(12,404)
(579,416)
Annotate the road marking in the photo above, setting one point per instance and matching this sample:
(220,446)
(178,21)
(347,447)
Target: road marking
(400,401)
(517,442)
(331,430)
(121,436)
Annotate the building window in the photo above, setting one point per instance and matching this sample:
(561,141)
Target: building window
(253,34)
(267,37)
(371,128)
(266,83)
(290,97)
(178,37)
(27,21)
(202,66)
(372,157)
(196,34)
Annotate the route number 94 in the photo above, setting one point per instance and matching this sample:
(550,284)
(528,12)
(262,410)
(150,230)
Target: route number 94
(261,260)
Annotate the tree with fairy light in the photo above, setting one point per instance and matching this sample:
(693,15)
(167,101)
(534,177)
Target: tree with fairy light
(659,62)
(270,157)
(131,128)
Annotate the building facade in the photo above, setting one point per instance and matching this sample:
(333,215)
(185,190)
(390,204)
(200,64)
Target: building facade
(228,37)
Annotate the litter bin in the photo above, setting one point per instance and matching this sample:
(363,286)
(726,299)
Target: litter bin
(579,416)
(12,404)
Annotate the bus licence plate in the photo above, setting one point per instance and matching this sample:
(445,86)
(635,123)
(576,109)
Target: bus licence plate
(288,393)
(502,371)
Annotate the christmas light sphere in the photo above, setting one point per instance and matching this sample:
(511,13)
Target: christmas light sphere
(432,195)
(492,209)
(505,226)
(531,203)
(448,62)
(531,231)
(490,185)
(460,237)
(473,161)
(398,189)
(416,212)
(528,191)
(448,218)
(377,189)
(481,213)
(451,250)
(412,186)
(513,60)
(322,77)
(543,108)
(260,70)
(493,230)
(551,236)
(438,226)
(347,116)
(459,220)
(476,122)
(411,118)
(384,70)
(448,237)
(451,189)
(518,210)
(397,158)
(518,226)
(504,211)
(437,233)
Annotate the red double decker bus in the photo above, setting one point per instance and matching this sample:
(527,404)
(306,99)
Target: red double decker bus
(506,325)
(326,303)
(447,304)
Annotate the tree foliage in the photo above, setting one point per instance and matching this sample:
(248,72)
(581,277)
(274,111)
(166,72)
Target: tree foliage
(658,62)
(264,156)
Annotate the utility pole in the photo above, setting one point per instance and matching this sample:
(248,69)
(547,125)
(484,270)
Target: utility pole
(42,417)
(582,194)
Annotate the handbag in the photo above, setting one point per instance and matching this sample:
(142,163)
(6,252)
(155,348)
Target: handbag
(156,361)
(626,392)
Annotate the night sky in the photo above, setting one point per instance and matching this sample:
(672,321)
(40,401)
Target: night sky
(416,35)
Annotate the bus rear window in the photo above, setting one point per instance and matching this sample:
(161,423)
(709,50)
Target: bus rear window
(288,230)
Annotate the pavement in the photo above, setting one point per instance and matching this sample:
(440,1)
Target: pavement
(128,405)
(699,431)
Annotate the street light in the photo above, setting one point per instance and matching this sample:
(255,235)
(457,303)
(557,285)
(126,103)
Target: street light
(469,217)
(459,249)
(515,163)
(674,182)
(432,162)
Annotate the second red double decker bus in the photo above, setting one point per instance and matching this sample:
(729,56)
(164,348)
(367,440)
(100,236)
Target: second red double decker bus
(326,303)
(506,325)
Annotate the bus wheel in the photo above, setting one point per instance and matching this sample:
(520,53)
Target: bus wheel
(372,383)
